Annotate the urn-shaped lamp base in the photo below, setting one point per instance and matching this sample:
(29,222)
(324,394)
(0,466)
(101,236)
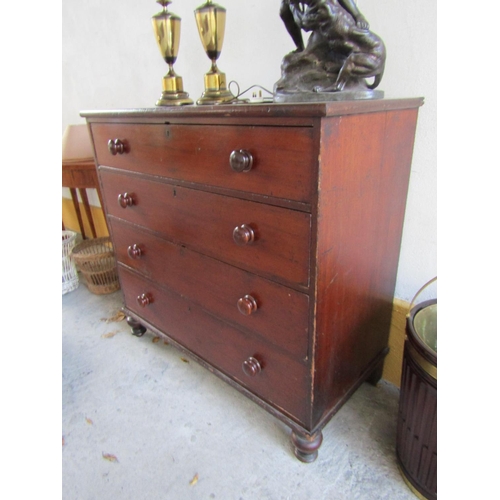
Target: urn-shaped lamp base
(216,91)
(173,92)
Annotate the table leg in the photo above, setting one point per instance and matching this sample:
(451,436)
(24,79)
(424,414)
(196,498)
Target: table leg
(86,205)
(74,197)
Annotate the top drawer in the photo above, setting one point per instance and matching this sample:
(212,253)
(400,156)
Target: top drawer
(282,158)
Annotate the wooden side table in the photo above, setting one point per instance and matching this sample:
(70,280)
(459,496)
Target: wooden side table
(79,171)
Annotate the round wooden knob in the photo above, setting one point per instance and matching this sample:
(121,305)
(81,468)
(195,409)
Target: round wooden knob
(125,200)
(251,367)
(145,299)
(243,235)
(241,160)
(247,305)
(134,251)
(115,146)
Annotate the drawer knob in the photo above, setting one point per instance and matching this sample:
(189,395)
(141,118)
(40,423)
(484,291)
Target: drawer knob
(243,235)
(115,146)
(247,305)
(125,200)
(145,299)
(241,160)
(134,251)
(251,367)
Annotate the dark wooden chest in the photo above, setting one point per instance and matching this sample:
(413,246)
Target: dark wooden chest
(263,240)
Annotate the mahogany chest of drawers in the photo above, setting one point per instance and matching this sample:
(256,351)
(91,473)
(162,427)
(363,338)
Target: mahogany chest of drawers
(263,240)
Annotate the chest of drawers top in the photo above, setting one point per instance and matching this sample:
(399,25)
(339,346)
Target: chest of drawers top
(300,112)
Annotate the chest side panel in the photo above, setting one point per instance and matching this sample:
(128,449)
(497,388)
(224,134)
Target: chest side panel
(364,174)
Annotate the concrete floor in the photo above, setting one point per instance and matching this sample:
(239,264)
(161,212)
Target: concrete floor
(139,422)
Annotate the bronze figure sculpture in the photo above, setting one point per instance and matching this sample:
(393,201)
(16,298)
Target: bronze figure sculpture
(341,53)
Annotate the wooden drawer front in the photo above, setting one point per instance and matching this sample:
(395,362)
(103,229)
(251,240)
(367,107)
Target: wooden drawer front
(206,221)
(282,382)
(281,314)
(283,157)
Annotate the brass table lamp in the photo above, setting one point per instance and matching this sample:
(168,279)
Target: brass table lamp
(211,22)
(167,29)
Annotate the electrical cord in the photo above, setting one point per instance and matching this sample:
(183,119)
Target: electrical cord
(237,96)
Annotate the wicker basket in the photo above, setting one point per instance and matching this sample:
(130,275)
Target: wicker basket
(95,260)
(69,273)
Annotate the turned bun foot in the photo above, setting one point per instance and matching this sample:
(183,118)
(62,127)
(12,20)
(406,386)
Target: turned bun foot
(306,446)
(137,329)
(376,375)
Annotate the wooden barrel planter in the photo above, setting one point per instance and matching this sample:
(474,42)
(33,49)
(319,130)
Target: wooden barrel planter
(416,446)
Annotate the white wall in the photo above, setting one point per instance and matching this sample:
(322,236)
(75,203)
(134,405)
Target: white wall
(110,61)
